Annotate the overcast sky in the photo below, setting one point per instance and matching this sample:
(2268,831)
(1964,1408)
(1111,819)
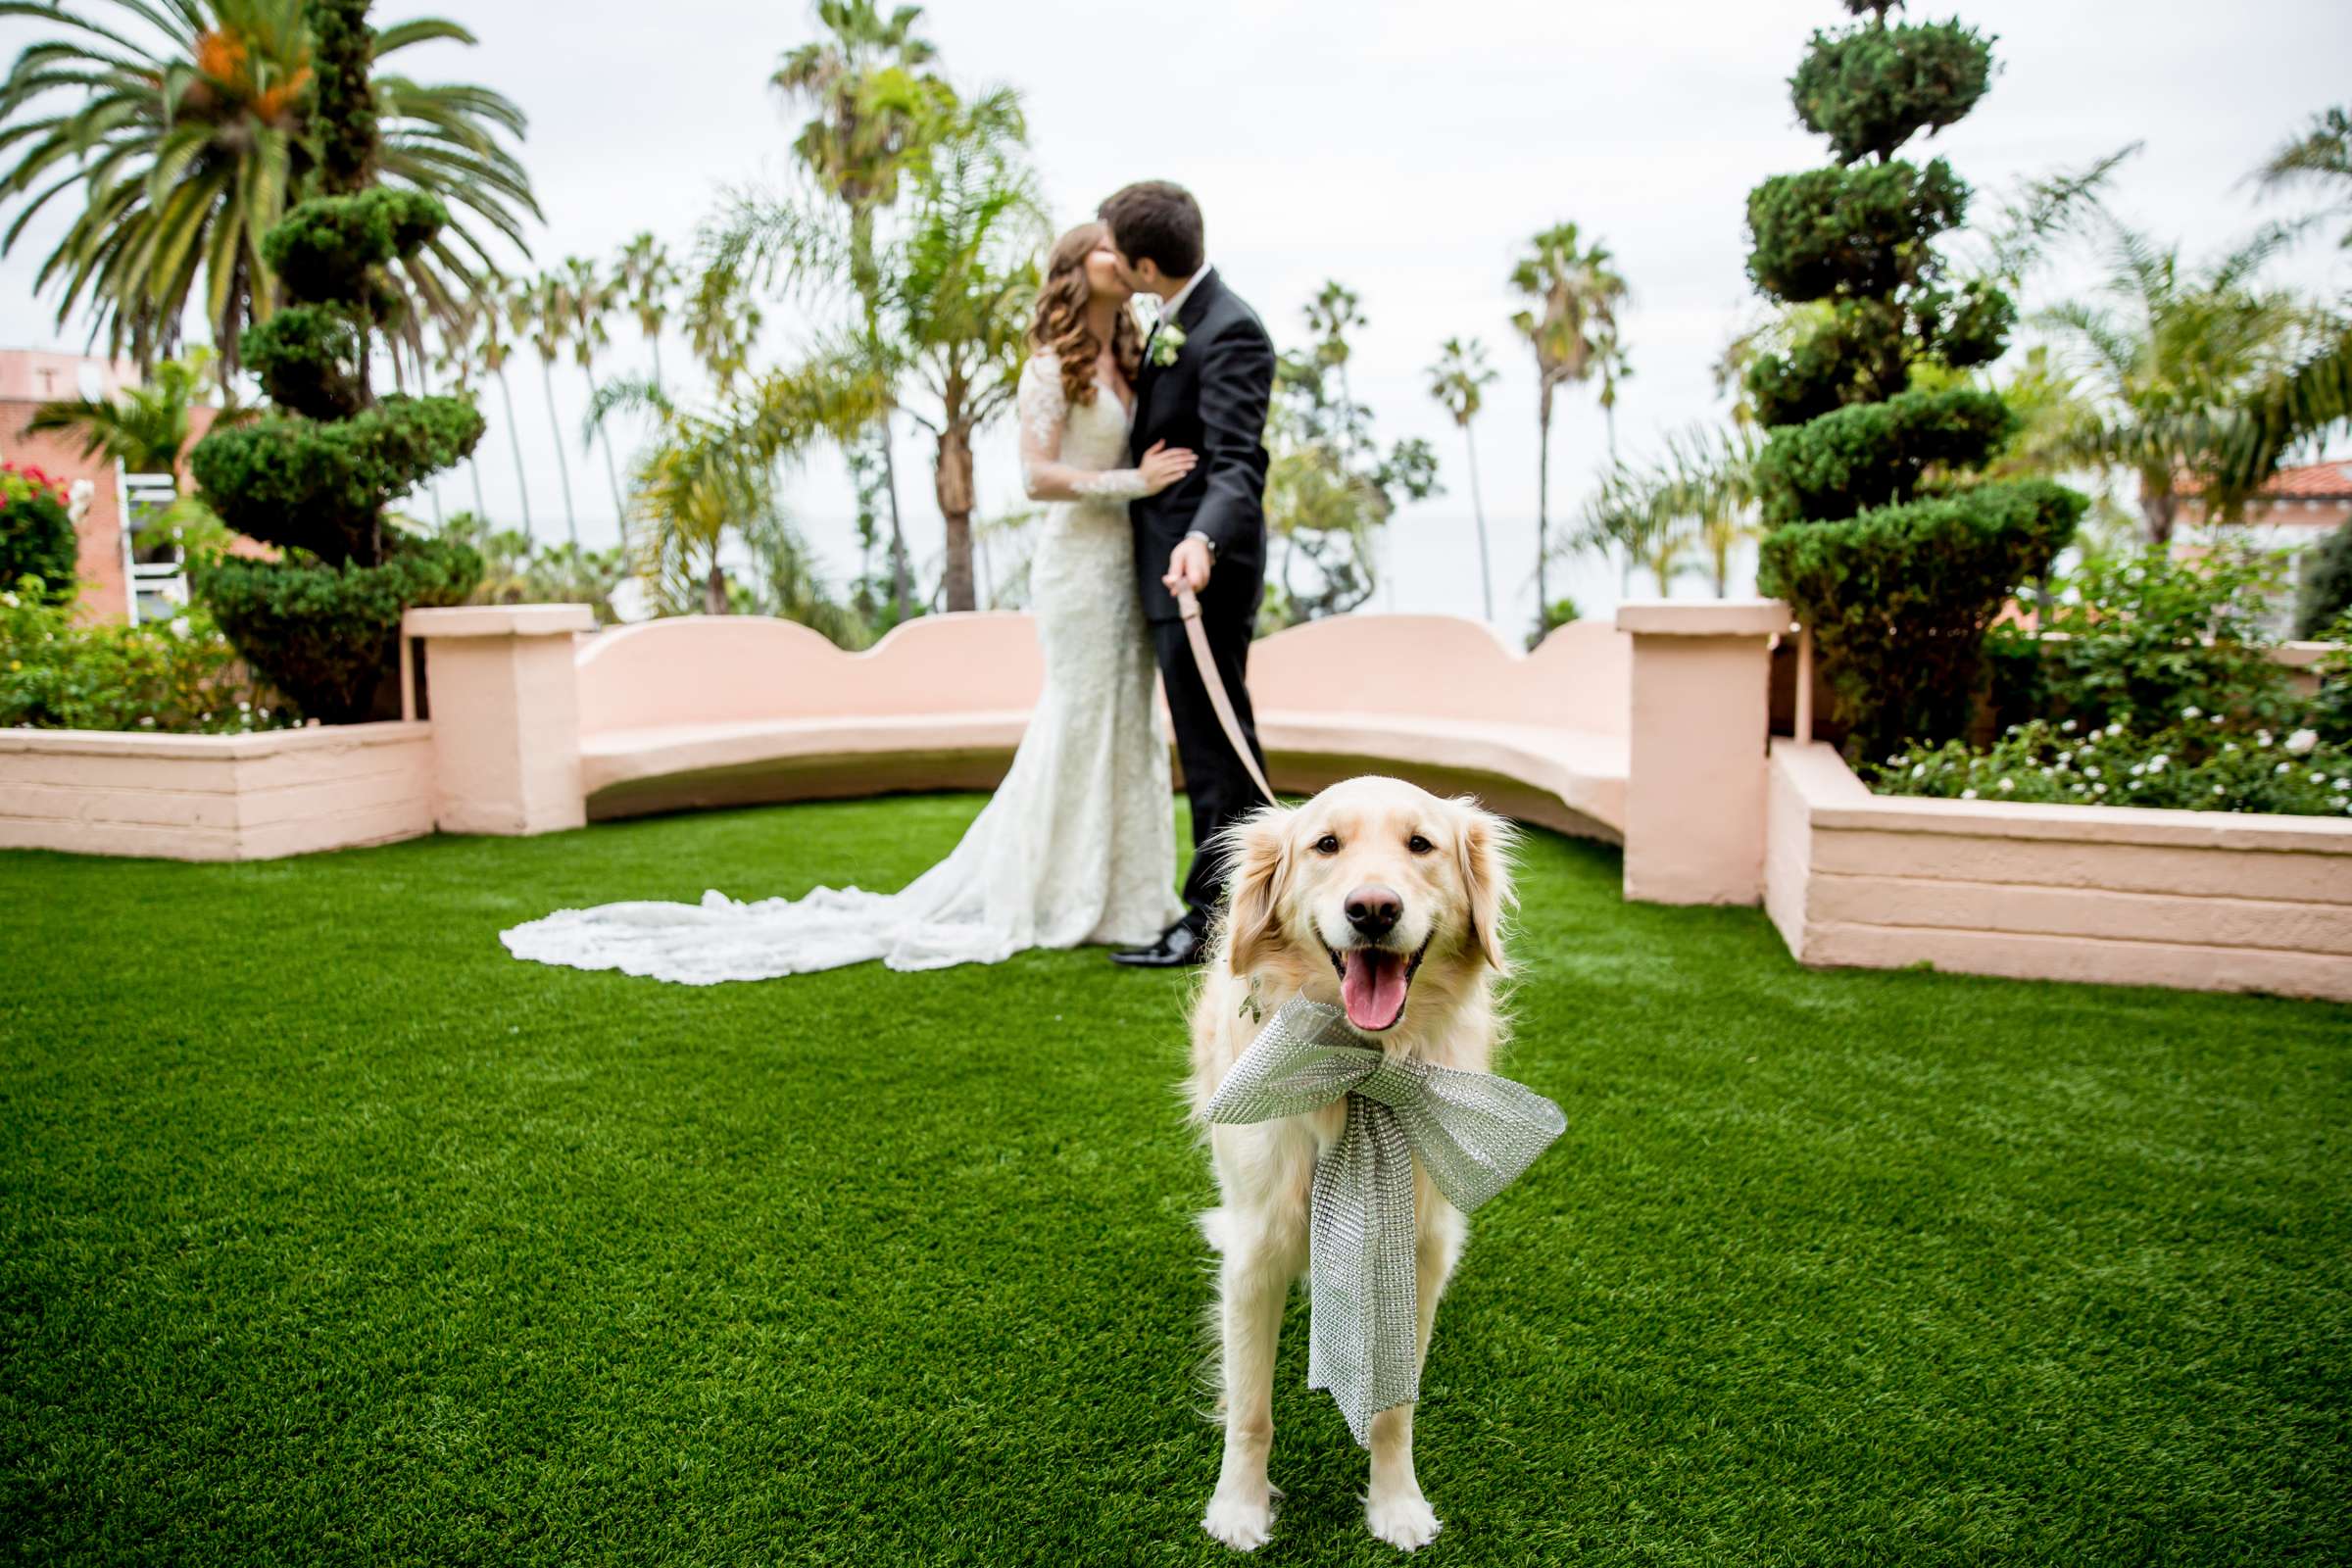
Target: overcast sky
(1408,149)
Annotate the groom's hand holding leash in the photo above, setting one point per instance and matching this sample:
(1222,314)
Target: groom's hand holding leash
(1189,567)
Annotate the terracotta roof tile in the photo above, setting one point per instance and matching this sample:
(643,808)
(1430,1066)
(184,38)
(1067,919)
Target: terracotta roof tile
(2331,480)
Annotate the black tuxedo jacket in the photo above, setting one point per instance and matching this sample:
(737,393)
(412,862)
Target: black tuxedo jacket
(1213,401)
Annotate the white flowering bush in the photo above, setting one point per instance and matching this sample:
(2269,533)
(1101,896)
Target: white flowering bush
(2198,763)
(178,676)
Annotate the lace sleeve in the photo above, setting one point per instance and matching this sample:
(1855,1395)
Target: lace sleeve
(1043,412)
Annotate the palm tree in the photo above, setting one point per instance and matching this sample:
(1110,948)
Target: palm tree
(1616,368)
(709,472)
(147,427)
(784,581)
(1331,316)
(458,360)
(649,280)
(874,112)
(1638,513)
(2321,156)
(1577,294)
(1712,479)
(1458,380)
(588,297)
(498,310)
(964,282)
(539,311)
(2172,364)
(185,128)
(722,323)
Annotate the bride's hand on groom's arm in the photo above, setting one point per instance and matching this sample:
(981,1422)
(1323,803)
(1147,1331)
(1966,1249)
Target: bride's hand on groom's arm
(1163,465)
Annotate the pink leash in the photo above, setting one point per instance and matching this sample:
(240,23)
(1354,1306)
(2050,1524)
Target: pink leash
(1188,605)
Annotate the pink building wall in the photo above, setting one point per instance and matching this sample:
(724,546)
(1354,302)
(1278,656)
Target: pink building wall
(31,377)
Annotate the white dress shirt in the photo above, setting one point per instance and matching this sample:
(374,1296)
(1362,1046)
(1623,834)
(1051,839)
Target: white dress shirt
(1175,302)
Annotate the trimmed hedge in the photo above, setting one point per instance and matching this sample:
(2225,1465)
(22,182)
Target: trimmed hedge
(1872,89)
(331,248)
(314,478)
(1864,352)
(1854,232)
(1874,453)
(1899,598)
(305,356)
(1876,537)
(332,632)
(323,486)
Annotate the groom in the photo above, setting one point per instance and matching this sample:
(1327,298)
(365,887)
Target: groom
(1207,373)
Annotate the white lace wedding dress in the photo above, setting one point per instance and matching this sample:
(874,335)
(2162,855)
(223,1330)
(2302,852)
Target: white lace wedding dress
(1078,844)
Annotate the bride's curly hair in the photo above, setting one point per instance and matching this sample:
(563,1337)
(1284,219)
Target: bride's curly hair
(1061,327)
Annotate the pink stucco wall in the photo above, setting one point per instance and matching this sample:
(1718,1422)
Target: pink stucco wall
(2207,901)
(215,797)
(707,710)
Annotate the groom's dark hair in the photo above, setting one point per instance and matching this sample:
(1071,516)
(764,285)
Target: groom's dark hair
(1154,219)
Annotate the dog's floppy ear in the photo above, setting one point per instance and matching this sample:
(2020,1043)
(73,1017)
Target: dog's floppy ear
(1486,841)
(1262,865)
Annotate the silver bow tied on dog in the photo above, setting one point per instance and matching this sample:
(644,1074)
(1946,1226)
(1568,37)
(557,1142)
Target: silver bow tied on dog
(1474,1134)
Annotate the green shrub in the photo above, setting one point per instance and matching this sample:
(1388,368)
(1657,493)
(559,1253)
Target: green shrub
(2137,638)
(2193,763)
(332,631)
(36,530)
(1865,350)
(332,249)
(178,676)
(305,356)
(1966,330)
(314,480)
(305,484)
(1875,454)
(1872,89)
(2331,707)
(1876,538)
(1899,598)
(2326,590)
(1856,232)
(1858,355)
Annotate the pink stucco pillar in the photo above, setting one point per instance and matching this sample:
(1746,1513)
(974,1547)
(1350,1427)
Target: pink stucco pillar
(505,706)
(1697,767)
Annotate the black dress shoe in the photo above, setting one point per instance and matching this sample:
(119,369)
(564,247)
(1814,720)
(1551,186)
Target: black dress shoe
(1178,946)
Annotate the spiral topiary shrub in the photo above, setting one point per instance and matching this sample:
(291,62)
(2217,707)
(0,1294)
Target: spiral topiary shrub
(321,621)
(1879,538)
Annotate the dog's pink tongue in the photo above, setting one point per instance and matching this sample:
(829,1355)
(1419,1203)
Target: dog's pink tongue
(1373,988)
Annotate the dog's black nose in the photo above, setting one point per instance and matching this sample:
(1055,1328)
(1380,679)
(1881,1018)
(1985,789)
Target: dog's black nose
(1374,909)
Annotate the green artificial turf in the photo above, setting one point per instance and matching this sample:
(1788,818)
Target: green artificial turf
(329,1233)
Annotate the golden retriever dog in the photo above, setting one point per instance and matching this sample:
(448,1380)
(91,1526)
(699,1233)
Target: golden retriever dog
(1386,901)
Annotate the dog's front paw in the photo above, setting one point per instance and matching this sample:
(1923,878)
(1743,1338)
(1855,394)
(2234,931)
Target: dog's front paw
(1241,1522)
(1403,1519)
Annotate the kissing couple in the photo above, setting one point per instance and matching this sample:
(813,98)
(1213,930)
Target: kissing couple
(1149,448)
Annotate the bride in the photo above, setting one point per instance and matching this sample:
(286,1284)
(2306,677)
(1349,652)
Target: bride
(1078,844)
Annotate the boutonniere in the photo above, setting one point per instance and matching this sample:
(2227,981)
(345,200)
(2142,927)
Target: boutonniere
(1167,344)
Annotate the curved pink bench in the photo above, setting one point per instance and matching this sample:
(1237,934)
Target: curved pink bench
(1449,704)
(726,710)
(710,710)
